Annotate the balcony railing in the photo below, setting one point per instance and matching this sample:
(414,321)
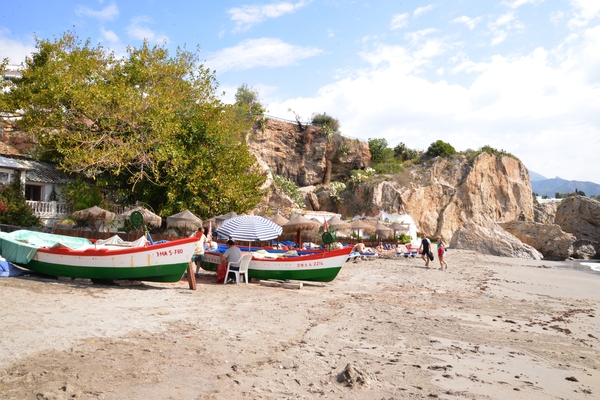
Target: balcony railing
(49,209)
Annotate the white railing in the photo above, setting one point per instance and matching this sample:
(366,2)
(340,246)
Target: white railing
(49,209)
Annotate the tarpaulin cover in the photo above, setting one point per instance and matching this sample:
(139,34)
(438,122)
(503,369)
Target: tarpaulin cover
(20,246)
(7,269)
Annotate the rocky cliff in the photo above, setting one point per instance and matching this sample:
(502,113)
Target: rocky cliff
(306,154)
(441,195)
(445,194)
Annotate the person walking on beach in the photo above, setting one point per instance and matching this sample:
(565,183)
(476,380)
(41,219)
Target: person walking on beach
(441,250)
(425,249)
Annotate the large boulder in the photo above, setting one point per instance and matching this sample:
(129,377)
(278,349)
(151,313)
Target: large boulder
(580,216)
(550,240)
(483,235)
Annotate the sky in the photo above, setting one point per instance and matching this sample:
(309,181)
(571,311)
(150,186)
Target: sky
(518,75)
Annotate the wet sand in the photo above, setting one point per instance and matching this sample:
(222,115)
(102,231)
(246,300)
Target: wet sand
(486,328)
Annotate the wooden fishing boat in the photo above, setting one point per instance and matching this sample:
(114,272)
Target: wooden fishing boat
(321,266)
(109,259)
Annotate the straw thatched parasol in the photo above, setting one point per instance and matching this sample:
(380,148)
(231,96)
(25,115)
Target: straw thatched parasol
(184,220)
(298,224)
(336,224)
(383,230)
(94,213)
(279,219)
(397,226)
(359,225)
(222,218)
(149,217)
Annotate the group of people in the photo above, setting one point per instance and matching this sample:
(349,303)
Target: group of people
(427,253)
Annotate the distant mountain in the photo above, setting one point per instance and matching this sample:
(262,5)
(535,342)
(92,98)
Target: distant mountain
(548,187)
(534,176)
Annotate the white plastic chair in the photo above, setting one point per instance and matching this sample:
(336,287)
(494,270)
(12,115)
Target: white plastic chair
(242,268)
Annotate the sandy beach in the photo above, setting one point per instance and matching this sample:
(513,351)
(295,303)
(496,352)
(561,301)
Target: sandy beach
(486,328)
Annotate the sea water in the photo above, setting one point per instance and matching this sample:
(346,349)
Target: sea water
(594,265)
(591,266)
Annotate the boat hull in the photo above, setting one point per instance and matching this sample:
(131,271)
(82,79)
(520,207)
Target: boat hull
(164,262)
(320,267)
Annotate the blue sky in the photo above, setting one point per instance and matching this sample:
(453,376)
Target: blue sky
(518,75)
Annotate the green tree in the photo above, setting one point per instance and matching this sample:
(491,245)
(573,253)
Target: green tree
(440,148)
(402,152)
(13,206)
(379,151)
(149,123)
(247,102)
(326,120)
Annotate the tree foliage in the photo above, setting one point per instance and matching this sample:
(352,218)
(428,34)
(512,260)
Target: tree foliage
(13,206)
(148,122)
(326,121)
(440,148)
(247,102)
(402,152)
(379,151)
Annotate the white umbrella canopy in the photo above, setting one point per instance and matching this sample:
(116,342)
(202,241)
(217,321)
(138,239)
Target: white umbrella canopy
(184,220)
(149,217)
(249,228)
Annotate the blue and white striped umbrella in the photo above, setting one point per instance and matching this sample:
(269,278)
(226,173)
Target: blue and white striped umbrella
(249,228)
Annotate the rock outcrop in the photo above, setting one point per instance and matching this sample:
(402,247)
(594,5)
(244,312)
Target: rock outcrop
(550,240)
(580,216)
(305,154)
(483,235)
(448,192)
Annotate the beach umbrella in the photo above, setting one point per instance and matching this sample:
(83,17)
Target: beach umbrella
(336,224)
(94,213)
(300,223)
(150,218)
(249,228)
(279,219)
(222,218)
(359,225)
(184,220)
(397,226)
(383,231)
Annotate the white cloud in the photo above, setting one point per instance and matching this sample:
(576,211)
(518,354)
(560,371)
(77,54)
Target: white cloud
(14,50)
(264,52)
(399,21)
(109,35)
(470,22)
(500,27)
(137,29)
(586,10)
(108,13)
(249,15)
(530,105)
(519,3)
(422,10)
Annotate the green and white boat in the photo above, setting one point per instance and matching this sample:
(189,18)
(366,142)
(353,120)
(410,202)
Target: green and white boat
(108,259)
(321,266)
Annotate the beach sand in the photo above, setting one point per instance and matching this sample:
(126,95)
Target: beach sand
(486,328)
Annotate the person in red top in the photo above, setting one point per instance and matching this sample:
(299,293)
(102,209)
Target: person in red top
(441,247)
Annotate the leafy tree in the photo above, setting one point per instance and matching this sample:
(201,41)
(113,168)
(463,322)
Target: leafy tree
(149,123)
(79,195)
(379,150)
(402,152)
(13,206)
(326,120)
(247,103)
(440,148)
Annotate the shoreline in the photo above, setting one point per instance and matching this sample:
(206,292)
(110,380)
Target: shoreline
(486,328)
